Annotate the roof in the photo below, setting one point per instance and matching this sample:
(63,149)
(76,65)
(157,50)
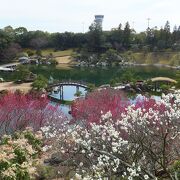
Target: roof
(166,79)
(24,58)
(6,69)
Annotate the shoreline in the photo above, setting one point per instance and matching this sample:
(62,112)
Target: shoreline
(159,65)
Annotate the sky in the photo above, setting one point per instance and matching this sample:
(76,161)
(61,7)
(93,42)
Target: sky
(77,15)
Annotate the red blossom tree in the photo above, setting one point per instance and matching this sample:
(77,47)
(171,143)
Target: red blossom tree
(91,108)
(17,111)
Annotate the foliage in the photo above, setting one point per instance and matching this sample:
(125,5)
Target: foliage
(39,53)
(178,84)
(165,87)
(113,82)
(22,73)
(78,94)
(91,87)
(19,155)
(95,40)
(12,51)
(176,169)
(5,41)
(40,83)
(178,80)
(126,35)
(30,53)
(110,56)
(45,172)
(128,76)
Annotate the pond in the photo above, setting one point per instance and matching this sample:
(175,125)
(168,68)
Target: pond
(96,75)
(64,108)
(68,93)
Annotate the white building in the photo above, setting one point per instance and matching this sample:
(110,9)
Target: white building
(24,60)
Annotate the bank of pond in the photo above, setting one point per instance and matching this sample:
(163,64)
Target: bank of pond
(97,76)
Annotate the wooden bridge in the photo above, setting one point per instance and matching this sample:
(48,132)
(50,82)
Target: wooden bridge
(68,83)
(58,86)
(8,67)
(164,80)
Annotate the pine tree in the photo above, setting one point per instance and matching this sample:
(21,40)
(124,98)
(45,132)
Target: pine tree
(126,35)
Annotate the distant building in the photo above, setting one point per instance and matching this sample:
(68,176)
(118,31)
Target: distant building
(24,60)
(99,19)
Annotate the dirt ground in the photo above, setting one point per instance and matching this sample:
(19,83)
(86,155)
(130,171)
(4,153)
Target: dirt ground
(10,86)
(64,60)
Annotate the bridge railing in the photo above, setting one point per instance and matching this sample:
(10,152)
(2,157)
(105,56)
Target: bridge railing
(70,82)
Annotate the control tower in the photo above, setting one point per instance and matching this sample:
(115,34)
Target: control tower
(99,19)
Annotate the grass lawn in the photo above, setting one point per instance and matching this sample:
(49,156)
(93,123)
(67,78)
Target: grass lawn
(46,52)
(64,59)
(68,52)
(166,58)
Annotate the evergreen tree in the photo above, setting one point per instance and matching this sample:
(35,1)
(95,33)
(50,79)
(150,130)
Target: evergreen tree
(167,35)
(126,36)
(96,38)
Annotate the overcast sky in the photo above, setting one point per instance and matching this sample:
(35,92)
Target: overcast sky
(69,15)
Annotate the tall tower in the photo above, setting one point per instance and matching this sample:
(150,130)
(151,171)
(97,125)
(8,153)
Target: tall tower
(99,19)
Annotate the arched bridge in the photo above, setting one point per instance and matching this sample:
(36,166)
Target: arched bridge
(164,80)
(68,83)
(58,87)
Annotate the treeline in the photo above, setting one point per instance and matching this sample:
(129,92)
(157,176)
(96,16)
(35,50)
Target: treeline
(12,41)
(122,39)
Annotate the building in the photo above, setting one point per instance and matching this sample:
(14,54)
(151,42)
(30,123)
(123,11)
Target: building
(99,19)
(24,60)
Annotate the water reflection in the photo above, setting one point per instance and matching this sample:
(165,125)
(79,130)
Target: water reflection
(63,108)
(140,97)
(68,93)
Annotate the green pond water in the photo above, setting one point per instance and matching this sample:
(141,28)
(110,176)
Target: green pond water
(96,75)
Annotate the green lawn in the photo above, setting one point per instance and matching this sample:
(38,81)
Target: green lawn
(168,58)
(68,52)
(46,52)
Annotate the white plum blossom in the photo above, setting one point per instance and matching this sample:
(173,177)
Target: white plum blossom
(128,146)
(146,176)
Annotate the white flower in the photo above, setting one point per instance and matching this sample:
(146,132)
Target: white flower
(81,164)
(146,177)
(46,148)
(78,176)
(83,151)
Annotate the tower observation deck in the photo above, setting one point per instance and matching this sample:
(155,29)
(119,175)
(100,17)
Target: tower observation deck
(99,19)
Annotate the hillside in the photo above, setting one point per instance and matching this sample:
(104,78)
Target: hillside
(169,58)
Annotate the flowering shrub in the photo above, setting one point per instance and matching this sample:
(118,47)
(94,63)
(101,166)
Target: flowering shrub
(19,155)
(90,108)
(18,111)
(142,143)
